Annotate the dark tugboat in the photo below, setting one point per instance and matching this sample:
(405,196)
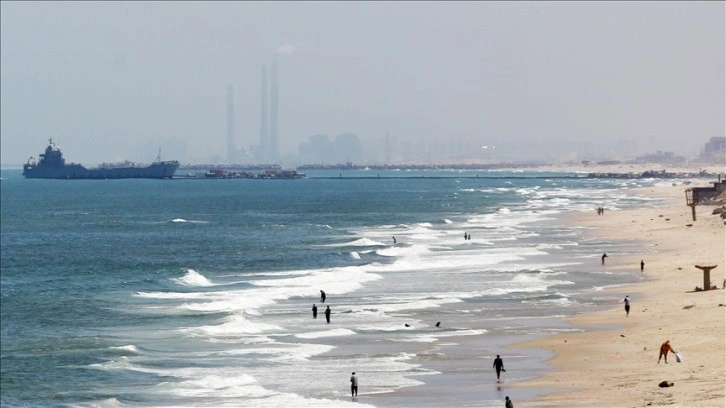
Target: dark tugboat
(52,165)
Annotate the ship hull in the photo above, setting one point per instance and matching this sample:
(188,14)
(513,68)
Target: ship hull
(161,170)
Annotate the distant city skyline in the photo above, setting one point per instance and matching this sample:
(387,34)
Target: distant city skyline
(415,81)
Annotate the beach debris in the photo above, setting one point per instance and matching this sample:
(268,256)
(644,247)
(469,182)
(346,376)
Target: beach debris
(622,335)
(688,307)
(665,384)
(668,219)
(689,225)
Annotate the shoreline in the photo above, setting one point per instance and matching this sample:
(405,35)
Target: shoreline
(556,370)
(618,367)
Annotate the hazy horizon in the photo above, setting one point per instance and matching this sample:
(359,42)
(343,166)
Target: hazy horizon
(112,81)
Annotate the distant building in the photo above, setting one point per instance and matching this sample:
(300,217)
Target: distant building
(346,147)
(660,157)
(714,150)
(317,150)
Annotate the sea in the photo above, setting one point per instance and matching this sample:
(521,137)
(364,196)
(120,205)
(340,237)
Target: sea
(199,293)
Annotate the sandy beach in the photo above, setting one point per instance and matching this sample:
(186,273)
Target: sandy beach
(619,367)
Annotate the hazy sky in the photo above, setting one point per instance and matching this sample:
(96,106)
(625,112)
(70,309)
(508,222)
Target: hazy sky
(106,79)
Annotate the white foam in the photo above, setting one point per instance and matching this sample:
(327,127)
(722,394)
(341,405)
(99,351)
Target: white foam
(326,333)
(130,348)
(361,242)
(183,221)
(192,278)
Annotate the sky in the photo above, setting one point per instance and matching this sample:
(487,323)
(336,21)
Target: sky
(112,81)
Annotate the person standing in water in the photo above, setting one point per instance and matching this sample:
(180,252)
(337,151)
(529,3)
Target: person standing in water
(353,385)
(498,365)
(327,314)
(627,305)
(394,240)
(642,265)
(315,311)
(605,255)
(322,297)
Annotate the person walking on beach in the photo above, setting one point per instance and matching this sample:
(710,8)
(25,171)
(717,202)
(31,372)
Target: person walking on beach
(353,385)
(499,366)
(322,297)
(315,311)
(627,305)
(605,255)
(642,265)
(327,314)
(664,349)
(508,403)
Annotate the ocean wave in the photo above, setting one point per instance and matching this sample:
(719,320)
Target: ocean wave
(229,386)
(183,221)
(193,278)
(361,242)
(127,348)
(169,295)
(236,324)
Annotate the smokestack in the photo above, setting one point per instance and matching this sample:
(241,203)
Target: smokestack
(230,124)
(264,132)
(273,154)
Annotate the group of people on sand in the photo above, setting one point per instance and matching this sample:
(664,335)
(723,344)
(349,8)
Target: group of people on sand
(600,211)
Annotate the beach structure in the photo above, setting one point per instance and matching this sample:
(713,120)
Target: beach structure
(700,195)
(706,275)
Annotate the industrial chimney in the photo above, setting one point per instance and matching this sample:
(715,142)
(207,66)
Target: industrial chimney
(231,150)
(272,141)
